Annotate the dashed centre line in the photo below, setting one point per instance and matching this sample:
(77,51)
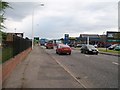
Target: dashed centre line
(115,63)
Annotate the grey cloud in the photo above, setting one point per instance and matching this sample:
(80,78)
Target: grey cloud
(101,6)
(71,19)
(19,10)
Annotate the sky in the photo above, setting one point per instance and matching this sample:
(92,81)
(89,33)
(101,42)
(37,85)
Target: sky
(59,17)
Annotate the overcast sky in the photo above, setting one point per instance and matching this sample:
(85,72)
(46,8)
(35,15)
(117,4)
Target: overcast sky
(59,17)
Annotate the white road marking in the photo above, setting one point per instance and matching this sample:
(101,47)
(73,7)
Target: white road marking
(115,63)
(87,55)
(66,69)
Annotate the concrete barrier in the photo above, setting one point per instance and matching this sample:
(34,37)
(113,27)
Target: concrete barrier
(11,64)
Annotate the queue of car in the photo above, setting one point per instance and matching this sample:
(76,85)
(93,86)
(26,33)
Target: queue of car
(66,49)
(60,48)
(84,48)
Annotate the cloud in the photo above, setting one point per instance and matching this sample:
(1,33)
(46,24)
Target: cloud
(58,17)
(19,10)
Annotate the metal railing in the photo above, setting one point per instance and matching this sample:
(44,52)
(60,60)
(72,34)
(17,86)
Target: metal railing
(12,48)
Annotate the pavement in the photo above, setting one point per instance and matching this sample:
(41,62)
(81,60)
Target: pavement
(40,70)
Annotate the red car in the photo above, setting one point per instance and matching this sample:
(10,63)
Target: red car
(63,49)
(49,46)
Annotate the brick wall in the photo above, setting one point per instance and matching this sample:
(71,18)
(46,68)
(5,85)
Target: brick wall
(10,65)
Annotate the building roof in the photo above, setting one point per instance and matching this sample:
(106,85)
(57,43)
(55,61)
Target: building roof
(90,35)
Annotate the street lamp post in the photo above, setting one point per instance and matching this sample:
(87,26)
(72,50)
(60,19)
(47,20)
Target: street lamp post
(88,40)
(33,23)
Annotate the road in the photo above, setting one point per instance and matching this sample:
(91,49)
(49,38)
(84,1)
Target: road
(91,71)
(43,68)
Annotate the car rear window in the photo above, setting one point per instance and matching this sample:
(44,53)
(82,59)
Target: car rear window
(63,46)
(90,46)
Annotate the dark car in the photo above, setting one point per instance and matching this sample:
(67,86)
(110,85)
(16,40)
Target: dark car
(63,49)
(89,49)
(112,46)
(71,44)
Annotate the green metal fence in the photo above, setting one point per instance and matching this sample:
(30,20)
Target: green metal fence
(12,48)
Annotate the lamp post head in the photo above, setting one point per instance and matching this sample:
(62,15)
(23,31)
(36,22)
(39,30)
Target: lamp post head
(42,4)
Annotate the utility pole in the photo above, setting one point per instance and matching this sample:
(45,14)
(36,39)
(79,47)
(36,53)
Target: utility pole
(33,23)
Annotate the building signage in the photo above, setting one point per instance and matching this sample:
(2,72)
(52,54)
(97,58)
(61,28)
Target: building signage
(36,39)
(113,37)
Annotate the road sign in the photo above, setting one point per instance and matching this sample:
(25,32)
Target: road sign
(66,38)
(36,39)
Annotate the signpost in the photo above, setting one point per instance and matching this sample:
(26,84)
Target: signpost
(66,38)
(36,40)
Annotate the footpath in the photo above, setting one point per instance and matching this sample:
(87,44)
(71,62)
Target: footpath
(40,70)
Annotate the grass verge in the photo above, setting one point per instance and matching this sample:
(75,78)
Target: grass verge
(109,51)
(7,53)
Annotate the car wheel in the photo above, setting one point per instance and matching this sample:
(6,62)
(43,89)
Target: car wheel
(56,52)
(86,52)
(96,53)
(81,51)
(59,53)
(69,53)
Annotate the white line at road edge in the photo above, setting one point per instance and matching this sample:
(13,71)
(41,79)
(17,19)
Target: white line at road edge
(69,72)
(115,63)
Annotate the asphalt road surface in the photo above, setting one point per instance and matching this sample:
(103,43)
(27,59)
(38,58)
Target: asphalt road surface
(92,71)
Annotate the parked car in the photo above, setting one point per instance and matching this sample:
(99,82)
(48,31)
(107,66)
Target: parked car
(71,45)
(89,49)
(49,45)
(95,45)
(117,48)
(112,46)
(63,49)
(107,45)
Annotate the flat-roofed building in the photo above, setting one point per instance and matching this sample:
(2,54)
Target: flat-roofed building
(93,38)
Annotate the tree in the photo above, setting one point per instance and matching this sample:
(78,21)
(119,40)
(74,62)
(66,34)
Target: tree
(3,6)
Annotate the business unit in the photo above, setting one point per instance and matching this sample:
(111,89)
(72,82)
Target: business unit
(113,37)
(110,37)
(8,37)
(69,40)
(93,38)
(82,39)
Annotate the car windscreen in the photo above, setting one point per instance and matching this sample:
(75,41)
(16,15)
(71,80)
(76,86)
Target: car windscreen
(90,46)
(64,46)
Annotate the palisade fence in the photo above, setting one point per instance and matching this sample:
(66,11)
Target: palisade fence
(14,47)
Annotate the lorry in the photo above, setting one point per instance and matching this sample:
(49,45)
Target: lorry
(43,41)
